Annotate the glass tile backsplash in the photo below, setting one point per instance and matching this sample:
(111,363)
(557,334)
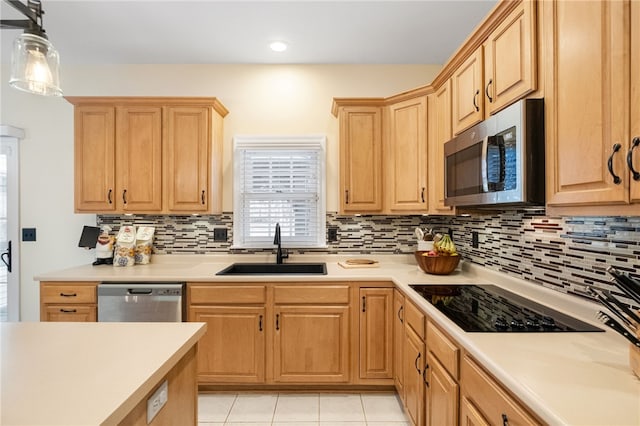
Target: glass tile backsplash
(564,253)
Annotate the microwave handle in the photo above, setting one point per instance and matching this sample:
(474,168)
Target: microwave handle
(483,164)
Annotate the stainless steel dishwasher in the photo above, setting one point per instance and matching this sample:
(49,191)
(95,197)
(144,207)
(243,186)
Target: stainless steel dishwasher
(141,302)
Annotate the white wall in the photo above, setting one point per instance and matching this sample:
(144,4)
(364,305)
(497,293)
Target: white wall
(261,99)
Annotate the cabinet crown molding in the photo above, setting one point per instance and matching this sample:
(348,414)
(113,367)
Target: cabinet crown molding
(149,100)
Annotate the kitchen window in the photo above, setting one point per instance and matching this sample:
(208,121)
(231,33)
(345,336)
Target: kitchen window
(279,179)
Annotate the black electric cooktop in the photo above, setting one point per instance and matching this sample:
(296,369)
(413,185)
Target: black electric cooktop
(488,308)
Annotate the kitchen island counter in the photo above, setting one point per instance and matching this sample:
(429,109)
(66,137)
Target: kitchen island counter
(95,373)
(564,378)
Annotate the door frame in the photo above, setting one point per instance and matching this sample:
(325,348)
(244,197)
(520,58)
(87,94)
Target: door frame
(10,137)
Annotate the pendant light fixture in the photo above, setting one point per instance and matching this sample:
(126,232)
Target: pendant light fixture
(34,61)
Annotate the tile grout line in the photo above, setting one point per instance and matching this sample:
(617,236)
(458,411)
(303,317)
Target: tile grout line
(235,398)
(275,408)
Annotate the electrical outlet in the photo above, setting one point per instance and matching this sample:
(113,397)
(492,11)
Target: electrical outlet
(157,401)
(475,240)
(219,234)
(332,234)
(28,234)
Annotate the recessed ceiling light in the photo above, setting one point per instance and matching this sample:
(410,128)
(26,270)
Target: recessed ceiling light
(278,46)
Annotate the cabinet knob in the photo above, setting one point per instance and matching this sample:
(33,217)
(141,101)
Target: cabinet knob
(346,196)
(260,323)
(68,294)
(364,303)
(616,178)
(109,196)
(422,194)
(416,363)
(202,197)
(505,420)
(124,196)
(68,311)
(424,375)
(400,314)
(277,321)
(634,172)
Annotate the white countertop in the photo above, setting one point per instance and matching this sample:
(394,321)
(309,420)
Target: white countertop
(565,378)
(85,373)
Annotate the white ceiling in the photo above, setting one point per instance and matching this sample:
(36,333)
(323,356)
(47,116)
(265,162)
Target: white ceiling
(209,32)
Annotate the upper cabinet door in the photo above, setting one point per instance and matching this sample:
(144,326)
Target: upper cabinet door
(510,58)
(406,156)
(587,98)
(468,103)
(635,99)
(439,134)
(361,159)
(94,158)
(187,139)
(139,158)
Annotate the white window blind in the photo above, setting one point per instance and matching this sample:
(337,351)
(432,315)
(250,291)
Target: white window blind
(279,180)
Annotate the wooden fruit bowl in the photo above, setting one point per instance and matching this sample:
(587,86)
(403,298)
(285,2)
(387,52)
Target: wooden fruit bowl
(437,265)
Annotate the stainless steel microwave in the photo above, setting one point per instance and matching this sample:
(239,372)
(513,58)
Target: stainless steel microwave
(500,161)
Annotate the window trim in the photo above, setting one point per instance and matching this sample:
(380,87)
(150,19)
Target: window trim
(316,141)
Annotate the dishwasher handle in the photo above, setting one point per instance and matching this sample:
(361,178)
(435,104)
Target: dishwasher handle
(136,291)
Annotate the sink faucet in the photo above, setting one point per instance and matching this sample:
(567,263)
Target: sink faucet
(277,240)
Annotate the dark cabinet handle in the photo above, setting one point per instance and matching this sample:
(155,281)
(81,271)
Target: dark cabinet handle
(346,196)
(68,311)
(505,420)
(400,314)
(424,375)
(260,323)
(486,90)
(616,178)
(6,256)
(202,197)
(109,196)
(416,363)
(124,196)
(475,97)
(422,194)
(277,321)
(364,303)
(634,144)
(68,294)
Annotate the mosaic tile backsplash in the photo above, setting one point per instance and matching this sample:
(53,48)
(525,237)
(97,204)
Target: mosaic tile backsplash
(564,253)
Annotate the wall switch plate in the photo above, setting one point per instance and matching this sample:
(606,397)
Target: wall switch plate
(332,233)
(475,240)
(157,400)
(28,234)
(219,234)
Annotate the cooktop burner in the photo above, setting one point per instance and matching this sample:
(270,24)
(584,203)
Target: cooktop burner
(488,308)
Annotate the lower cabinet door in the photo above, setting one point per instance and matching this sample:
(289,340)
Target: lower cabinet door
(442,395)
(413,380)
(70,313)
(233,348)
(469,414)
(311,344)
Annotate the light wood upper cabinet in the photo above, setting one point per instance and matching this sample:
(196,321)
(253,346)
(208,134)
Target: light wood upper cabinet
(187,136)
(148,155)
(138,159)
(635,99)
(406,156)
(467,86)
(360,159)
(376,333)
(498,73)
(587,92)
(94,128)
(439,133)
(510,58)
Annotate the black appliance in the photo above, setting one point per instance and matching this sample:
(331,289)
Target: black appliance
(488,308)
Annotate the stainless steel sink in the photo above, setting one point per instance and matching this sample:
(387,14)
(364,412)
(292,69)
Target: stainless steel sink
(275,269)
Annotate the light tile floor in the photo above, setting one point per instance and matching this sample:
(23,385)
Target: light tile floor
(289,409)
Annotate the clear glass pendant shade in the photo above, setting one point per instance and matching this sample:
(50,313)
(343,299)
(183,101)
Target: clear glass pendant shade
(34,66)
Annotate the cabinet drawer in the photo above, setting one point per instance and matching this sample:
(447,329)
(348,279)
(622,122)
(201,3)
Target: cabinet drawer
(444,349)
(70,313)
(77,293)
(414,318)
(226,294)
(493,402)
(315,294)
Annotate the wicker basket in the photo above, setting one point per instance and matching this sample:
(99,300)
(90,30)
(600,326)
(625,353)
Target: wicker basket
(437,265)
